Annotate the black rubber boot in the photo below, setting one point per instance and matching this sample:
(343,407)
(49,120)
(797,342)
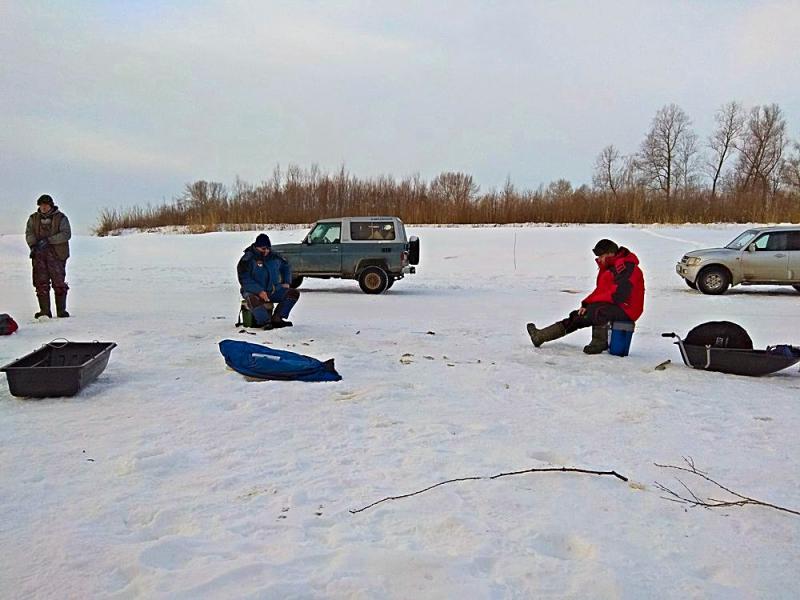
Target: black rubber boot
(44,307)
(61,306)
(548,334)
(599,341)
(278,323)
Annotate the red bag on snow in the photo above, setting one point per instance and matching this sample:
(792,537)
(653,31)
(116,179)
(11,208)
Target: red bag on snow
(7,325)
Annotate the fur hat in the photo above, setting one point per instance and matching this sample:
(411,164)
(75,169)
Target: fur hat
(605,246)
(45,199)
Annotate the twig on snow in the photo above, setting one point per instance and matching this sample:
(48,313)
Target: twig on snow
(693,500)
(475,478)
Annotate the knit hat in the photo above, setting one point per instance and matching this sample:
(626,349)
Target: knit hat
(262,241)
(605,246)
(45,199)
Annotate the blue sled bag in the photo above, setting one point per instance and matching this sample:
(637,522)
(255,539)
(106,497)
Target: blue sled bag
(261,362)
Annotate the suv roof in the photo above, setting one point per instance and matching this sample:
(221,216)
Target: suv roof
(355,219)
(776,228)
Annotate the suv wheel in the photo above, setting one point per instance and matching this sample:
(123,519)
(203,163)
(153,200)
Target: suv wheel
(373,280)
(391,281)
(296,282)
(713,280)
(691,284)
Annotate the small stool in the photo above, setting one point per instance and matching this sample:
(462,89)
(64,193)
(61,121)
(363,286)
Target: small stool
(246,317)
(621,337)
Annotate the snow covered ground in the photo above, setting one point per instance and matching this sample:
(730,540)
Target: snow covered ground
(172,476)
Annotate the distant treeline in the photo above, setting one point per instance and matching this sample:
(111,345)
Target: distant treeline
(747,170)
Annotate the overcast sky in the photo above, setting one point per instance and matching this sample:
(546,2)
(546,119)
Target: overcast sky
(122,103)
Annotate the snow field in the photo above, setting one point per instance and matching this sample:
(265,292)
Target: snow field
(172,476)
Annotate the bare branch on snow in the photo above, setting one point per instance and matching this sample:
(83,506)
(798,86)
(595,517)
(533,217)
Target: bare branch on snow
(475,478)
(693,500)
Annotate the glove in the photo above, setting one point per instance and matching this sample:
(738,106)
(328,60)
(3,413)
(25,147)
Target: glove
(41,244)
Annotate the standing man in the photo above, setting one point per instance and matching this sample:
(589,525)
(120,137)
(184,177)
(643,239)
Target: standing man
(264,277)
(618,296)
(47,233)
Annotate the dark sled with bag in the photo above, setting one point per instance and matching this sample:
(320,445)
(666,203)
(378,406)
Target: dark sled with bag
(726,347)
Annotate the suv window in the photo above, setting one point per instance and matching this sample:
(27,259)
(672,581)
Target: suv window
(772,242)
(741,240)
(794,241)
(326,233)
(372,230)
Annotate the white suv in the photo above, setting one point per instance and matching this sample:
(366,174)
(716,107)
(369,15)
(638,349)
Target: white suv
(760,256)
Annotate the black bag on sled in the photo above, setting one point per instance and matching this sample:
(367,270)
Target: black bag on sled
(727,348)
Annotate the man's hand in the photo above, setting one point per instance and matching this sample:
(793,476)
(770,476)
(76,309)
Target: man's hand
(41,244)
(285,285)
(263,296)
(582,311)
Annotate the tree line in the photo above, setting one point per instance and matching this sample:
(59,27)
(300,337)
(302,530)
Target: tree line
(746,170)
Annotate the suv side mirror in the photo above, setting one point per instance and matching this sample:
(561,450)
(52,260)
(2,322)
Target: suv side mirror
(751,248)
(306,241)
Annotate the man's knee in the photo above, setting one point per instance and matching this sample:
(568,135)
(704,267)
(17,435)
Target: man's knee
(603,314)
(252,301)
(293,294)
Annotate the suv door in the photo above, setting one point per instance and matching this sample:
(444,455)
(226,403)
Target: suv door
(767,258)
(322,249)
(793,247)
(374,240)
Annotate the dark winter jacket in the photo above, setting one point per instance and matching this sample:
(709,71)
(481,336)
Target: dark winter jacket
(53,227)
(258,273)
(620,281)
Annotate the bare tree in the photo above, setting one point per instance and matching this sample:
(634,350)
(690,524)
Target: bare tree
(608,170)
(687,159)
(659,152)
(761,149)
(730,123)
(455,188)
(790,174)
(558,190)
(630,172)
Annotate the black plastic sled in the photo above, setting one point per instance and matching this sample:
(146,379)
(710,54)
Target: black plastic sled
(57,369)
(726,347)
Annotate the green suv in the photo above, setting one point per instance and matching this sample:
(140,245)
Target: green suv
(373,250)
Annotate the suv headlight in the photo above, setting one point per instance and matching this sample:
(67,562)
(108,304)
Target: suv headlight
(691,261)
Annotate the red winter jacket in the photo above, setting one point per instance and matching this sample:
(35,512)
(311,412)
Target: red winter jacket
(620,281)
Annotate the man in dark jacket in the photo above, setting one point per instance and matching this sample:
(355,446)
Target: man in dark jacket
(47,233)
(618,296)
(264,276)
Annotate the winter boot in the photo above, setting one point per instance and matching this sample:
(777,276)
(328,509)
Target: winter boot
(599,341)
(61,306)
(548,334)
(277,323)
(44,307)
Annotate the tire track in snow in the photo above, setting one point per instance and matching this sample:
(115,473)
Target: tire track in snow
(673,238)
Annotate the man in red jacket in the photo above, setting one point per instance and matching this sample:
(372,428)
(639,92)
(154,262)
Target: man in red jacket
(618,296)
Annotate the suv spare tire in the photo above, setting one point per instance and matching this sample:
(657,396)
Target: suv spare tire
(413,250)
(373,280)
(714,280)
